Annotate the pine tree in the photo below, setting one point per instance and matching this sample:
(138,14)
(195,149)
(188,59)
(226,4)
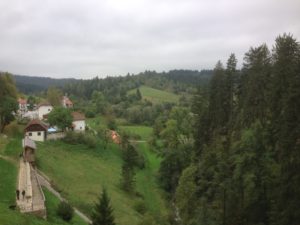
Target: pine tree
(218,100)
(138,94)
(255,79)
(232,86)
(286,127)
(103,212)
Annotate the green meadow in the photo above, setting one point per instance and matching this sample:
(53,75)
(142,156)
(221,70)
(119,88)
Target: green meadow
(155,95)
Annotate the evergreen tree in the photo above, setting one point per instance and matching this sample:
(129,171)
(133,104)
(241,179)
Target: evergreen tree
(231,86)
(255,80)
(218,100)
(286,127)
(103,212)
(138,94)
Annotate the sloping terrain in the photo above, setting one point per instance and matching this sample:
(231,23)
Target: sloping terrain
(155,95)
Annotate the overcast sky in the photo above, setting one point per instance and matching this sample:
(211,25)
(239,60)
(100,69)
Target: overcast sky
(82,39)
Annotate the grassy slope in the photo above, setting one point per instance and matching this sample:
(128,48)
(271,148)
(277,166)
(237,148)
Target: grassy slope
(79,173)
(146,182)
(146,179)
(155,95)
(8,177)
(143,131)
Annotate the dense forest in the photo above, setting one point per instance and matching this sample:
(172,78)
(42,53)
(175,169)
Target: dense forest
(29,84)
(245,163)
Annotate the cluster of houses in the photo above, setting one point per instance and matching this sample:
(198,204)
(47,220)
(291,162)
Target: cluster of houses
(29,194)
(38,129)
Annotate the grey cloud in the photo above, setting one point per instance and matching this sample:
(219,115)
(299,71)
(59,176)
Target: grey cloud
(113,37)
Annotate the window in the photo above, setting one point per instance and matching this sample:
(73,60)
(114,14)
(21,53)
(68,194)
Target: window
(48,110)
(80,128)
(30,134)
(39,133)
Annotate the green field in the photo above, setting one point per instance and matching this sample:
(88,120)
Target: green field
(97,122)
(155,95)
(79,174)
(143,131)
(8,179)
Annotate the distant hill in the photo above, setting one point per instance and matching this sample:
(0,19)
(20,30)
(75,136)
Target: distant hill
(29,84)
(174,81)
(155,95)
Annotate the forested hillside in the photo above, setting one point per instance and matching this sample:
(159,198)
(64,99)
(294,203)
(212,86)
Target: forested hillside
(29,84)
(245,161)
(198,148)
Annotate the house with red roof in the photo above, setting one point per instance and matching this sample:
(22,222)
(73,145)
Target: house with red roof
(22,106)
(78,123)
(66,102)
(43,109)
(36,130)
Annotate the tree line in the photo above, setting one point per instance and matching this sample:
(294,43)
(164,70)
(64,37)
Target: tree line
(245,163)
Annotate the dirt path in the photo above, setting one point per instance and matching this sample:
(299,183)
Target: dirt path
(8,159)
(44,182)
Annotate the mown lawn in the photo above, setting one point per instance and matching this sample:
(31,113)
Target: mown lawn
(155,95)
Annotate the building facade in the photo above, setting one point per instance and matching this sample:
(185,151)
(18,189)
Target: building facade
(78,123)
(44,109)
(36,130)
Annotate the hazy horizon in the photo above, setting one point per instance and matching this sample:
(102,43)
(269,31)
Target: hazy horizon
(75,39)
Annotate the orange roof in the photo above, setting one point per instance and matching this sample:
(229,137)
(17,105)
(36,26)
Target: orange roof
(22,101)
(67,100)
(78,116)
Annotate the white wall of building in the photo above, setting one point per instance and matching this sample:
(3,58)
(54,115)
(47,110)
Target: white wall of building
(43,110)
(79,125)
(36,135)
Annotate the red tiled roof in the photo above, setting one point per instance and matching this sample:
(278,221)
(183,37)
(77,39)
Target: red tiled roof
(22,101)
(36,122)
(78,116)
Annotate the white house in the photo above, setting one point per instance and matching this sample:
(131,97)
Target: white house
(78,123)
(43,109)
(66,102)
(22,106)
(36,130)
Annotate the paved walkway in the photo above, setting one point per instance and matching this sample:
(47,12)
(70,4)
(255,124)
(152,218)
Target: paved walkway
(44,182)
(34,199)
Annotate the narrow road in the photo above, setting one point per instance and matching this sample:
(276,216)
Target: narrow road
(44,182)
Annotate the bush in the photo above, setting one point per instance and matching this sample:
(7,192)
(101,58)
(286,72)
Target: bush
(80,138)
(140,207)
(90,114)
(90,140)
(13,129)
(65,211)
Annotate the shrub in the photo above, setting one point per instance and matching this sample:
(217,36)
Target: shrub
(140,207)
(90,140)
(12,129)
(65,211)
(90,113)
(81,138)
